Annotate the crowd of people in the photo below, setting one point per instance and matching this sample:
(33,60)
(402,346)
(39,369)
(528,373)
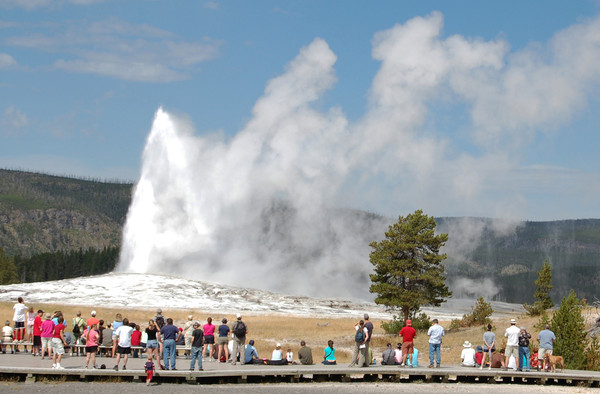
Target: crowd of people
(160,340)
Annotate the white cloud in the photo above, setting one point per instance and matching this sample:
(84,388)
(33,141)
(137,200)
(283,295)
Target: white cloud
(7,60)
(31,5)
(13,121)
(211,5)
(119,49)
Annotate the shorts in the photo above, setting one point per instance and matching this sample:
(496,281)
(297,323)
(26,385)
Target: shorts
(512,351)
(29,329)
(19,324)
(149,375)
(209,339)
(542,352)
(222,340)
(57,346)
(37,340)
(407,347)
(91,349)
(152,344)
(46,342)
(123,350)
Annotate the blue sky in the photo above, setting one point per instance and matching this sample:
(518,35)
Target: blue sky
(514,136)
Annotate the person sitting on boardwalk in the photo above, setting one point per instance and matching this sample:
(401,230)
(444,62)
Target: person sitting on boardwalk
(107,340)
(497,360)
(388,356)
(277,356)
(398,353)
(467,355)
(479,356)
(305,354)
(7,337)
(329,356)
(250,353)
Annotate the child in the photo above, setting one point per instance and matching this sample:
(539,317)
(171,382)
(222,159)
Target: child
(290,356)
(149,367)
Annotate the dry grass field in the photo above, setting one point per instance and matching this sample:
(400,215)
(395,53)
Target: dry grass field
(267,330)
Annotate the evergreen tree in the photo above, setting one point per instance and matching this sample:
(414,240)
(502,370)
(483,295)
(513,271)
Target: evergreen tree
(408,266)
(543,286)
(568,325)
(8,270)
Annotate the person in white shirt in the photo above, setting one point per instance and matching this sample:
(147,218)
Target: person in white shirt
(467,355)
(123,335)
(19,319)
(512,342)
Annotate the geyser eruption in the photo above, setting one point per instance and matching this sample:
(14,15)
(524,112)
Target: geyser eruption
(258,210)
(269,207)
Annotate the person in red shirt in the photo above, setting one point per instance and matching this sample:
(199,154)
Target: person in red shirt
(408,333)
(136,339)
(58,343)
(37,334)
(92,320)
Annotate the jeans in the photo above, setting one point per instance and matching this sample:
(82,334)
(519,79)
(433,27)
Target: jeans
(524,352)
(435,350)
(169,351)
(196,354)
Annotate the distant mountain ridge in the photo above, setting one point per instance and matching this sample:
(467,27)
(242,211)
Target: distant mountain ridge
(43,213)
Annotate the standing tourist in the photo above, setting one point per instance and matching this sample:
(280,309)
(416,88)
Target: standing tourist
(93,320)
(512,342)
(170,335)
(78,327)
(305,354)
(547,339)
(47,334)
(58,343)
(29,320)
(37,333)
(435,333)
(209,339)
(91,336)
(359,354)
(152,341)
(187,335)
(408,334)
(19,319)
(239,331)
(222,341)
(197,346)
(524,338)
(489,345)
(118,322)
(369,327)
(123,339)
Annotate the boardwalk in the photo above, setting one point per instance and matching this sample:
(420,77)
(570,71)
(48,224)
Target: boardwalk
(26,368)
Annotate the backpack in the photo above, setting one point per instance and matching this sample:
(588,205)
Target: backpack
(240,329)
(360,336)
(76,326)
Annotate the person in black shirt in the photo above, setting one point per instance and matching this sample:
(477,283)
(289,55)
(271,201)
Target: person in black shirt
(197,343)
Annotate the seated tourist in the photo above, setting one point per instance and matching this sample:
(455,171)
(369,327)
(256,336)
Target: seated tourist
(329,354)
(250,353)
(467,355)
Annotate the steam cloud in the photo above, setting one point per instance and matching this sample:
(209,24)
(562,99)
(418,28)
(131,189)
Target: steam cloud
(267,208)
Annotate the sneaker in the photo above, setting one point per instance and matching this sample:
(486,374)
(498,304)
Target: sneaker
(430,366)
(402,365)
(437,366)
(59,367)
(53,365)
(124,368)
(116,367)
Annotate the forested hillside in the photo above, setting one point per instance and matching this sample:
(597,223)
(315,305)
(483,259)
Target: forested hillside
(42,213)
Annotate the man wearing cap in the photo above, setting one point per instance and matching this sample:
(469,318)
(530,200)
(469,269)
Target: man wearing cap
(408,334)
(524,338)
(239,331)
(92,320)
(467,355)
(435,333)
(512,342)
(197,344)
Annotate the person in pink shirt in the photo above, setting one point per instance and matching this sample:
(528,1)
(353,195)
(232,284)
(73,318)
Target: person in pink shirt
(91,336)
(209,339)
(46,334)
(58,343)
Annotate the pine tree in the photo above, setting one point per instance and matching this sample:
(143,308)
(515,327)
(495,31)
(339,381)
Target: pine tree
(543,286)
(408,266)
(8,270)
(568,326)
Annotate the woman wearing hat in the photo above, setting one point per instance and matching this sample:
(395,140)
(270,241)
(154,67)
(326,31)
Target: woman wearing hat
(47,334)
(467,355)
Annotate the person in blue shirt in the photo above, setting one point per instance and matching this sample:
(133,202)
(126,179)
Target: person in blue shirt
(250,353)
(171,335)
